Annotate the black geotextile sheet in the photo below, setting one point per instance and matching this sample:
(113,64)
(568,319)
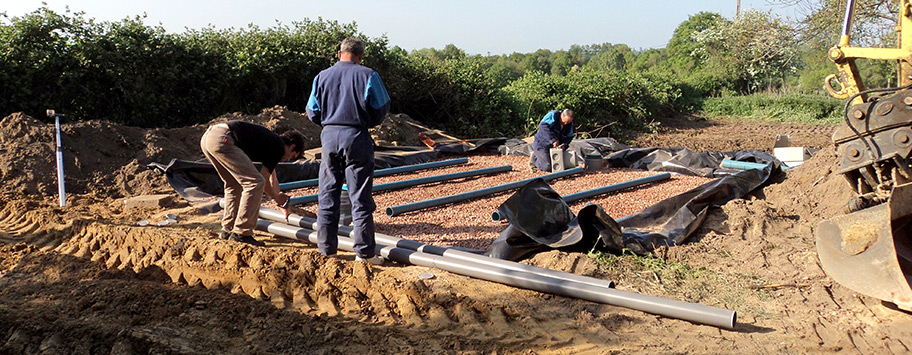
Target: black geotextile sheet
(579,147)
(199,184)
(551,225)
(676,160)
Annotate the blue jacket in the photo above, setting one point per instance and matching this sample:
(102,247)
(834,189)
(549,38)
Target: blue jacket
(550,130)
(348,94)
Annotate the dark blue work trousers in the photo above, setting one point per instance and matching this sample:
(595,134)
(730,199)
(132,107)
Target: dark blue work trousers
(541,158)
(347,157)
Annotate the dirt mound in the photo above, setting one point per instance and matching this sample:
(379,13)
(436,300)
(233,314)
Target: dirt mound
(702,135)
(813,190)
(88,279)
(99,157)
(109,159)
(279,119)
(83,306)
(398,130)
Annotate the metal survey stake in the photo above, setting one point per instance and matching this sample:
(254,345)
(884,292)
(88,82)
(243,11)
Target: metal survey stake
(61,190)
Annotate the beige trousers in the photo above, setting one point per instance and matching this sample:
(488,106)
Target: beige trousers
(243,182)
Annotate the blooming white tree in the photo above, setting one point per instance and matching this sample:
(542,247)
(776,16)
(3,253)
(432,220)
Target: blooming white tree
(759,48)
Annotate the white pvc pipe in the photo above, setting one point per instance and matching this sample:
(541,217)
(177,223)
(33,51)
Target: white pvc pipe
(456,254)
(61,190)
(693,312)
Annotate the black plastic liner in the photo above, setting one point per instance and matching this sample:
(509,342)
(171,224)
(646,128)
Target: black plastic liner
(199,183)
(685,161)
(543,221)
(471,145)
(582,147)
(667,223)
(550,224)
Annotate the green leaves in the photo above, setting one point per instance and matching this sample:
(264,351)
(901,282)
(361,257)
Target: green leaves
(781,108)
(601,99)
(133,73)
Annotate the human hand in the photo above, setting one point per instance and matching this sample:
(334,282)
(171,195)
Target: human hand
(555,144)
(285,206)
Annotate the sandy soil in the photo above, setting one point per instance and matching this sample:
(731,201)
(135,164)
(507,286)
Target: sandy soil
(87,279)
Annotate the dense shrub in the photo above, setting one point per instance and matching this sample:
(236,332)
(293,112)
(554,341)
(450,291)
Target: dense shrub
(783,108)
(131,73)
(454,94)
(604,101)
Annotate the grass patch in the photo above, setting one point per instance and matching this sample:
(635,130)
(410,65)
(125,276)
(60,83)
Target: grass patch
(663,268)
(677,280)
(791,108)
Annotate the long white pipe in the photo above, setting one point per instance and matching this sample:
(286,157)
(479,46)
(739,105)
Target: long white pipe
(345,231)
(696,313)
(61,190)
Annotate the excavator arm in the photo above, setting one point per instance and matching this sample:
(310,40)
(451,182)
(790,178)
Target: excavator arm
(844,55)
(869,249)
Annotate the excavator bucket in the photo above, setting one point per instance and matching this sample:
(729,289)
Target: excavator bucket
(870,251)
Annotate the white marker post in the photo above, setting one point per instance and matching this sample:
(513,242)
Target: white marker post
(61,190)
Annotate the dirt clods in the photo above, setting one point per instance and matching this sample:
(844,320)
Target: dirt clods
(87,278)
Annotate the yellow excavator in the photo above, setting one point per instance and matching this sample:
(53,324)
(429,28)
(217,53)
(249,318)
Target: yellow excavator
(869,249)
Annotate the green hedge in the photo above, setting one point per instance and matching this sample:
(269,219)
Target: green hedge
(135,74)
(604,101)
(456,95)
(779,108)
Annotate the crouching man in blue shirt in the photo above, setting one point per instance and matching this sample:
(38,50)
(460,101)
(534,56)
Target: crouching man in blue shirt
(346,100)
(555,130)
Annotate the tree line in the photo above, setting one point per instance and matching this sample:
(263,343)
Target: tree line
(136,74)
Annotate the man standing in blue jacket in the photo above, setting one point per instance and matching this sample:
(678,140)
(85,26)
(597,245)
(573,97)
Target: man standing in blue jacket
(346,100)
(555,130)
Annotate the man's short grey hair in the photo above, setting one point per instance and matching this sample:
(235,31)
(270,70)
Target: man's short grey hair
(352,45)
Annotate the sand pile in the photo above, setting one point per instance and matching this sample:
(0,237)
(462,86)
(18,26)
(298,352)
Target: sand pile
(108,159)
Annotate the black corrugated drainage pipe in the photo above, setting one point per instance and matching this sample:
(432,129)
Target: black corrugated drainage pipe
(465,256)
(378,173)
(420,205)
(692,312)
(417,181)
(601,190)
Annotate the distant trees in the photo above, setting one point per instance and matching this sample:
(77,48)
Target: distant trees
(682,46)
(756,50)
(450,51)
(873,25)
(129,72)
(873,22)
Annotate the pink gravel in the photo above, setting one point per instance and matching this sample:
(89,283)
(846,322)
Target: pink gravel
(468,224)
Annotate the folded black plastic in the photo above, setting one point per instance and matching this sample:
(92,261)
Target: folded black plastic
(677,160)
(390,157)
(582,147)
(199,184)
(684,161)
(471,145)
(540,220)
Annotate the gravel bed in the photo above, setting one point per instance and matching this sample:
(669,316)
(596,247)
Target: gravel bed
(468,224)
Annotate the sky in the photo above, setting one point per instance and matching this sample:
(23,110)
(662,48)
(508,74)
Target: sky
(475,26)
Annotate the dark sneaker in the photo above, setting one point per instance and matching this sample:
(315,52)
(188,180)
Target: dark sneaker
(245,239)
(532,168)
(223,235)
